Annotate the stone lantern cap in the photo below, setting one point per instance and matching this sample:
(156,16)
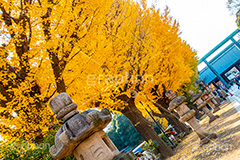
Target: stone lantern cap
(208,99)
(203,85)
(202,93)
(63,106)
(177,101)
(59,102)
(77,126)
(194,96)
(187,116)
(170,94)
(203,104)
(206,92)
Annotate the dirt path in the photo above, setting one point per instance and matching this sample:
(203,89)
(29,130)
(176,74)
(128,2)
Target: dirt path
(225,147)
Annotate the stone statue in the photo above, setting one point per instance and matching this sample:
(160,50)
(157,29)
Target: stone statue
(77,126)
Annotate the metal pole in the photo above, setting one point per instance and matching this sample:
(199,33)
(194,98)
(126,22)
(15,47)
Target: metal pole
(160,127)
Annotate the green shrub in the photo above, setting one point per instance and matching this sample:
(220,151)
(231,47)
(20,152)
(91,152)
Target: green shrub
(25,150)
(166,140)
(152,148)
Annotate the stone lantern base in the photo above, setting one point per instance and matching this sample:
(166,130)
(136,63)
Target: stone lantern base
(216,109)
(204,136)
(207,139)
(96,147)
(187,115)
(213,119)
(207,112)
(217,105)
(209,102)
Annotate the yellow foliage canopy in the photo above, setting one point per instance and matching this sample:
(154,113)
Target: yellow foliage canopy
(93,50)
(41,40)
(143,50)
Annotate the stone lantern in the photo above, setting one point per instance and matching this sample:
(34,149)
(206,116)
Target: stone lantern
(187,115)
(196,99)
(82,133)
(208,95)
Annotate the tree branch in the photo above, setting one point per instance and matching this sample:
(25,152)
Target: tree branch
(3,91)
(157,114)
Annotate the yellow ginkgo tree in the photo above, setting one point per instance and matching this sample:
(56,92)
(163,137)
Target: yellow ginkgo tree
(140,49)
(40,41)
(173,67)
(102,53)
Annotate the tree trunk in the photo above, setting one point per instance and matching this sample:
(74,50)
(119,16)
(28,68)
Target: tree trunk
(197,114)
(178,126)
(144,128)
(53,55)
(173,120)
(57,71)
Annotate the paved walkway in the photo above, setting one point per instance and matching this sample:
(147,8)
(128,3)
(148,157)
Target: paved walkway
(227,127)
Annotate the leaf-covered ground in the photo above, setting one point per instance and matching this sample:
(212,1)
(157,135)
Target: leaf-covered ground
(225,147)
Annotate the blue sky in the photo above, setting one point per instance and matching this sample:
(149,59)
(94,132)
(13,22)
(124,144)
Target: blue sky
(204,23)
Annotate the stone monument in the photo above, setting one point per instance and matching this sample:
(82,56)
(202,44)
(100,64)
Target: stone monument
(82,133)
(196,99)
(187,115)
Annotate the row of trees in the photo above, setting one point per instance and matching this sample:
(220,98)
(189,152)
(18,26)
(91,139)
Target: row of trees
(117,54)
